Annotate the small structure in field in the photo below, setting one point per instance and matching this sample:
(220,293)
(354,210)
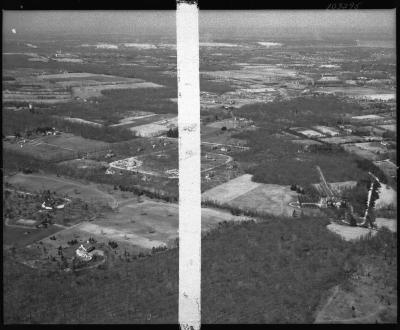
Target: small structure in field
(84,253)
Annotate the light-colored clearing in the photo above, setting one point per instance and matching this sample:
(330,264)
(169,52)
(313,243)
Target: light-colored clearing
(310,133)
(350,233)
(367,117)
(82,121)
(119,235)
(95,91)
(390,224)
(132,119)
(387,196)
(156,128)
(29,222)
(327,130)
(217,44)
(67,75)
(267,198)
(391,128)
(270,44)
(231,189)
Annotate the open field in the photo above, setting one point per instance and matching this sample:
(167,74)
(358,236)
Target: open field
(137,224)
(88,192)
(388,167)
(56,147)
(95,91)
(155,128)
(134,117)
(330,131)
(267,198)
(387,197)
(41,151)
(146,119)
(231,190)
(245,194)
(82,121)
(81,76)
(391,128)
(35,96)
(349,233)
(212,137)
(20,237)
(211,161)
(360,92)
(361,151)
(63,87)
(308,132)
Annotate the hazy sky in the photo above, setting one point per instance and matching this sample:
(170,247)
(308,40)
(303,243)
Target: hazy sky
(215,22)
(90,22)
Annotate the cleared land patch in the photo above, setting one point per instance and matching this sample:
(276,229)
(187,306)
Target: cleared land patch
(155,128)
(230,190)
(245,194)
(35,182)
(267,198)
(56,147)
(137,226)
(349,233)
(95,91)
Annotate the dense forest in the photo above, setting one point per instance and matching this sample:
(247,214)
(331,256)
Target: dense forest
(301,111)
(303,262)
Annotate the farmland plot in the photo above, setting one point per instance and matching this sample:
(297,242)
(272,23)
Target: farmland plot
(95,91)
(155,128)
(245,194)
(57,147)
(88,192)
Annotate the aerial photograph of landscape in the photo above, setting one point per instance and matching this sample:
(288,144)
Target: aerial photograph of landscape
(298,167)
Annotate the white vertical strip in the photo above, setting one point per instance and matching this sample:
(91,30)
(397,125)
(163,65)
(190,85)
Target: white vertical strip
(189,165)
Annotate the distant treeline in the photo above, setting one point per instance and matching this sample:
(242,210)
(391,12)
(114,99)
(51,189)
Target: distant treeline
(301,111)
